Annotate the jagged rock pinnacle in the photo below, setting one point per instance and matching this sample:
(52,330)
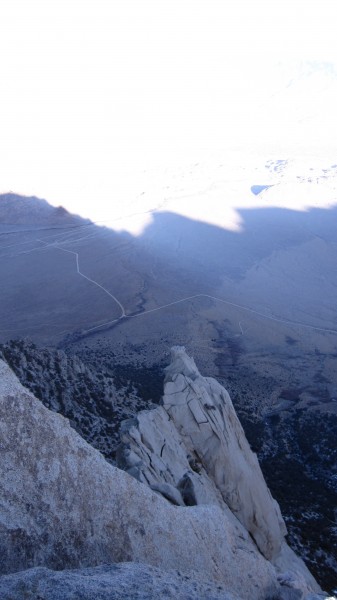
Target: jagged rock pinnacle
(193,450)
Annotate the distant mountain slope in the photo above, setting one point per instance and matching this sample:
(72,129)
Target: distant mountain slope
(32,211)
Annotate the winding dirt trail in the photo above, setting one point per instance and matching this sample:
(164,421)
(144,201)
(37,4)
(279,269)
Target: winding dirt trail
(77,260)
(215,298)
(57,246)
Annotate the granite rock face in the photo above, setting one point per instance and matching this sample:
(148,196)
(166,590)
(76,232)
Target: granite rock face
(64,506)
(193,451)
(124,581)
(204,416)
(194,444)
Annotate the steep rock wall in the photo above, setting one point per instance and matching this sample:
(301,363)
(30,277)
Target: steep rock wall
(193,451)
(64,506)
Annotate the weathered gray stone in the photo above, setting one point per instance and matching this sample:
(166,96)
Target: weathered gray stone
(204,416)
(63,506)
(195,443)
(124,581)
(169,492)
(153,451)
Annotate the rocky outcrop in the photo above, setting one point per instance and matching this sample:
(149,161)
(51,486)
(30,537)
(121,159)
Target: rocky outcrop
(203,414)
(63,506)
(193,451)
(28,211)
(125,581)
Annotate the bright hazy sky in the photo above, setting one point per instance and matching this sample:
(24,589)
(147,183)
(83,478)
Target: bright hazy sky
(88,86)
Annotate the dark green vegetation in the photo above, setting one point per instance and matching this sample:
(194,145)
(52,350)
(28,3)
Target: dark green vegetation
(94,397)
(298,456)
(145,381)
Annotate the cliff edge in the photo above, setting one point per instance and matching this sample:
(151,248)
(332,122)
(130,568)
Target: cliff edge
(64,507)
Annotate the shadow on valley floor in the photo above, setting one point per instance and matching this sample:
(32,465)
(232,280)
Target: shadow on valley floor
(61,273)
(224,252)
